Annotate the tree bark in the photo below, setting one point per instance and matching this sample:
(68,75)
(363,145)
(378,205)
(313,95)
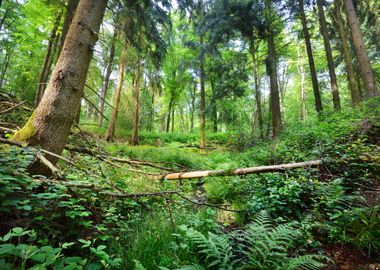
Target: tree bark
(301,71)
(72,6)
(329,56)
(313,74)
(257,88)
(272,70)
(202,109)
(241,171)
(44,74)
(169,114)
(49,126)
(355,94)
(112,124)
(136,95)
(214,112)
(106,80)
(5,67)
(173,111)
(193,91)
(370,88)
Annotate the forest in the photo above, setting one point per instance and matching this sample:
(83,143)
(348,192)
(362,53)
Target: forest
(190,134)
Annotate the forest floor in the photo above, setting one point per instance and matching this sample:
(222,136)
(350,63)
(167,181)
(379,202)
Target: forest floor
(111,194)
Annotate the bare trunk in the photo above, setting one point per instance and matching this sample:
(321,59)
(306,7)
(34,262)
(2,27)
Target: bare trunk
(213,107)
(169,112)
(257,88)
(136,95)
(103,92)
(355,94)
(274,93)
(202,109)
(193,107)
(242,171)
(301,71)
(313,74)
(5,67)
(112,124)
(49,126)
(173,110)
(72,6)
(329,56)
(370,88)
(44,74)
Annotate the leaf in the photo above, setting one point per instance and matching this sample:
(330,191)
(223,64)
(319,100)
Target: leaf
(38,257)
(67,244)
(7,248)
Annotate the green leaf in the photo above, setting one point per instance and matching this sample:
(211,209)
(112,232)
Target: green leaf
(7,248)
(67,244)
(38,257)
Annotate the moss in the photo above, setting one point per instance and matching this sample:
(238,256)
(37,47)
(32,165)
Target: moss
(27,131)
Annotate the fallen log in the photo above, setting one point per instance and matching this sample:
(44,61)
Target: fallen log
(242,171)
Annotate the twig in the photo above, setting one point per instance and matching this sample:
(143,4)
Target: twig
(96,108)
(13,107)
(105,101)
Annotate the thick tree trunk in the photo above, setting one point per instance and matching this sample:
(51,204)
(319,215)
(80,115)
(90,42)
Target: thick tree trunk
(257,88)
(103,92)
(72,6)
(313,74)
(136,95)
(49,126)
(202,109)
(355,94)
(272,70)
(329,56)
(370,88)
(112,124)
(44,74)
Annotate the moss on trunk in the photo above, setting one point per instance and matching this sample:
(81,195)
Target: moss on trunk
(28,131)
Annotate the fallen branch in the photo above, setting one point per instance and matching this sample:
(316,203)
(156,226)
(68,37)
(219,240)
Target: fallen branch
(241,171)
(137,162)
(13,107)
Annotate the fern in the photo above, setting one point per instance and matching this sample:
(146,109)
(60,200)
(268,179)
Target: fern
(216,249)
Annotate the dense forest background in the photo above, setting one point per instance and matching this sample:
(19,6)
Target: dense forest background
(134,134)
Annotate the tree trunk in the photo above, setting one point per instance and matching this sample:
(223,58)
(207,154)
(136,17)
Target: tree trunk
(214,108)
(355,94)
(329,56)
(173,110)
(103,92)
(313,74)
(112,124)
(370,88)
(72,6)
(169,112)
(301,71)
(202,109)
(5,67)
(136,95)
(49,126)
(193,107)
(272,70)
(44,74)
(257,88)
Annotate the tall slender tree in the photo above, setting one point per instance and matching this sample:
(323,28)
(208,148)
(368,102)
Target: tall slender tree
(361,51)
(329,55)
(355,94)
(272,71)
(313,73)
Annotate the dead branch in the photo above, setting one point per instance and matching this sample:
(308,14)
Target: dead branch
(13,107)
(137,162)
(105,101)
(242,171)
(55,171)
(95,107)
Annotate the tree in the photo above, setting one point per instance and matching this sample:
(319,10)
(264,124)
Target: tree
(329,56)
(313,73)
(355,94)
(272,72)
(107,75)
(112,124)
(50,123)
(361,51)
